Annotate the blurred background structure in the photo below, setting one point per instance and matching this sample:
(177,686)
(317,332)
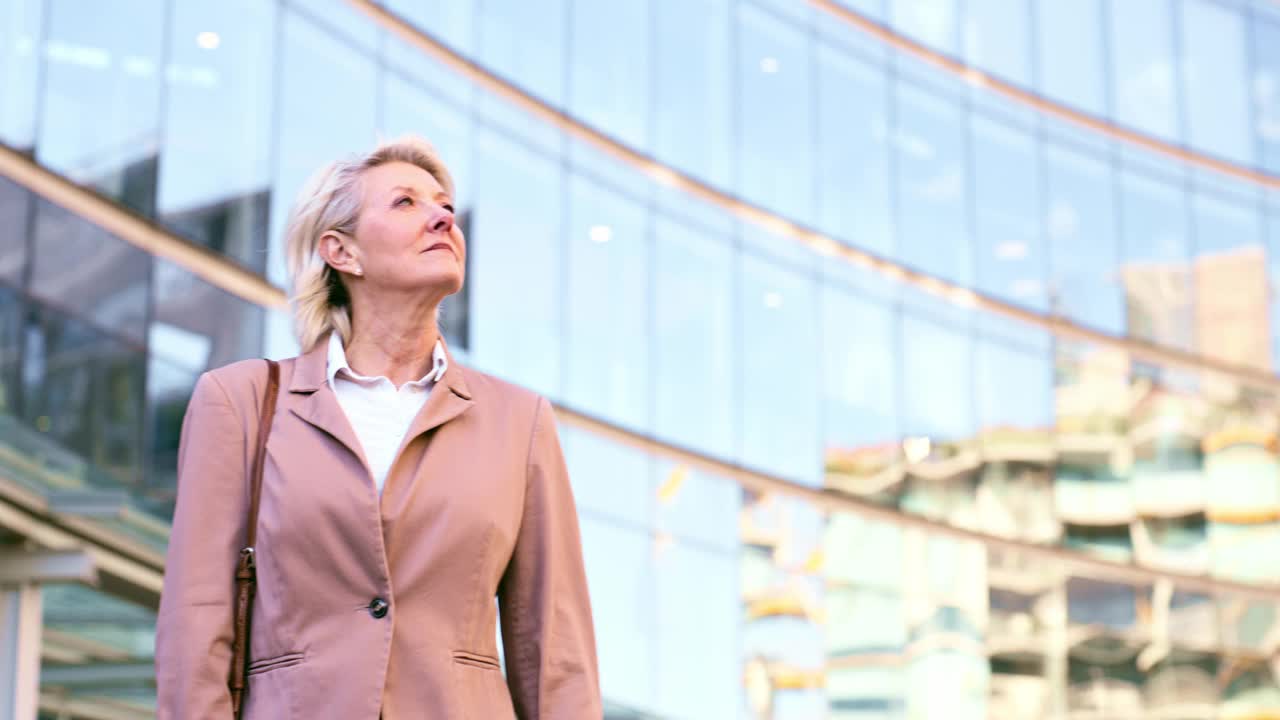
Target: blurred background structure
(915,358)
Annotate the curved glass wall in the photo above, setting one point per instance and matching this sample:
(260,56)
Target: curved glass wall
(1001,521)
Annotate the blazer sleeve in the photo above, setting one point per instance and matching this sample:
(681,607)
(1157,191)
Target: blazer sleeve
(547,634)
(194,624)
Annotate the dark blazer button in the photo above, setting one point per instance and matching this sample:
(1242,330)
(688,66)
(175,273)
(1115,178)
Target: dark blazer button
(378,608)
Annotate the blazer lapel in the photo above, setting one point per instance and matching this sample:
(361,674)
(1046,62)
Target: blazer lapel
(318,405)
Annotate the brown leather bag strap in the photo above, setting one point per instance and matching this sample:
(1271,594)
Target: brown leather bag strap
(246,577)
(259,457)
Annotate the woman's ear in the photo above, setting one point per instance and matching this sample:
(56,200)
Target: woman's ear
(336,250)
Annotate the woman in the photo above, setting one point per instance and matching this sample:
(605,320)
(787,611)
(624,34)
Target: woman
(401,493)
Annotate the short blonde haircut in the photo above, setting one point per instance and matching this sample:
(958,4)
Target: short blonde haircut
(331,200)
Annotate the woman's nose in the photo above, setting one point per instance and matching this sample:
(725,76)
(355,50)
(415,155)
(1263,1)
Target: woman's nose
(439,220)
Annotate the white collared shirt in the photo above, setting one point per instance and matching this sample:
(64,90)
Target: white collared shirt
(380,413)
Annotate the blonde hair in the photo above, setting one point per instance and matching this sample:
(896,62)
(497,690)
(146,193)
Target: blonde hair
(331,200)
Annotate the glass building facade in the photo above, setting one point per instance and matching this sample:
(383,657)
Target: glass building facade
(915,358)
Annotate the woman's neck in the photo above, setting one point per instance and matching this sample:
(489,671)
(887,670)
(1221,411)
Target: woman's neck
(396,345)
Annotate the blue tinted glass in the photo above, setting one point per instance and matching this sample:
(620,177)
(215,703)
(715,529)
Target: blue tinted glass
(779,400)
(698,632)
(628,497)
(1216,80)
(775,148)
(609,70)
(932,22)
(1080,224)
(516,250)
(1273,272)
(693,347)
(692,124)
(1145,83)
(215,169)
(1156,269)
(997,38)
(938,397)
(100,119)
(860,379)
(1071,53)
(1014,394)
(524,42)
(621,580)
(932,221)
(407,108)
(450,21)
(1006,176)
(1266,93)
(853,169)
(20,30)
(607,291)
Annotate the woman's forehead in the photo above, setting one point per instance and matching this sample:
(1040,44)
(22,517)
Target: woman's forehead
(388,176)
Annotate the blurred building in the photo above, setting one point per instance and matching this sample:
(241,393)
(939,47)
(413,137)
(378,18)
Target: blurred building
(915,358)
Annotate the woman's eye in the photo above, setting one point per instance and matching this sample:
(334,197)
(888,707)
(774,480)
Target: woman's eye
(405,201)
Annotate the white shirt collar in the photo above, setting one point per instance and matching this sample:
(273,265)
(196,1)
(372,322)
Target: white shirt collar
(338,362)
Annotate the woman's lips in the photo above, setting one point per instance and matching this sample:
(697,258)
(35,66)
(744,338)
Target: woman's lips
(439,246)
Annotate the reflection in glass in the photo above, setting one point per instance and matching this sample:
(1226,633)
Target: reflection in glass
(693,356)
(1084,250)
(1071,53)
(692,122)
(609,73)
(1230,283)
(607,293)
(1156,271)
(81,268)
(20,32)
(100,119)
(779,426)
(1144,88)
(854,202)
(932,186)
(997,38)
(15,209)
(1006,190)
(524,42)
(932,22)
(516,245)
(215,168)
(1266,92)
(1215,79)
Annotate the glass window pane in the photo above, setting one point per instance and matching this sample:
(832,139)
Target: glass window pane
(515,291)
(1145,92)
(524,42)
(15,209)
(938,397)
(620,579)
(609,72)
(1084,250)
(12,317)
(215,170)
(997,38)
(100,119)
(84,389)
(1156,261)
(1266,93)
(1231,291)
(697,507)
(608,306)
(408,107)
(627,497)
(20,33)
(932,22)
(1071,53)
(1273,272)
(81,268)
(692,120)
(699,633)
(1011,253)
(779,399)
(775,148)
(932,222)
(860,391)
(853,170)
(450,21)
(693,345)
(1216,80)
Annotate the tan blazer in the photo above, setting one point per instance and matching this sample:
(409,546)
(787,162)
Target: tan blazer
(373,605)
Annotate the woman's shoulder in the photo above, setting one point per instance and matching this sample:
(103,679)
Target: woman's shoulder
(239,383)
(490,389)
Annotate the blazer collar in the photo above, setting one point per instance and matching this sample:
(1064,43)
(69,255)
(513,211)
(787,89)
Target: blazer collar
(312,371)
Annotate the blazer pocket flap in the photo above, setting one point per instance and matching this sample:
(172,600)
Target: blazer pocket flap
(275,663)
(464,657)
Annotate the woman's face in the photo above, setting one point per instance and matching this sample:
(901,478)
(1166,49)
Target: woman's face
(405,238)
